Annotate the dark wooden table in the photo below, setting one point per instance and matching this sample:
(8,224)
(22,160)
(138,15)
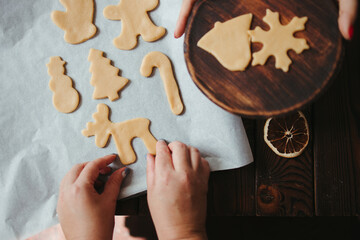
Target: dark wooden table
(323,181)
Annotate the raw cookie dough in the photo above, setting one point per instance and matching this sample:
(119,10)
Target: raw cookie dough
(161,61)
(76,21)
(278,40)
(123,133)
(229,42)
(105,78)
(65,98)
(135,22)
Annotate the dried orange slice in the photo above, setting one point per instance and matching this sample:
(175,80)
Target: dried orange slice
(287,136)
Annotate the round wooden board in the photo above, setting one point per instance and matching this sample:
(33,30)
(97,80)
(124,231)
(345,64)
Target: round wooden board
(264,91)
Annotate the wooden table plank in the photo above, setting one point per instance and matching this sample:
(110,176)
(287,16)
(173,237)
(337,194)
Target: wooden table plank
(224,192)
(246,177)
(284,186)
(337,143)
(245,204)
(333,158)
(354,107)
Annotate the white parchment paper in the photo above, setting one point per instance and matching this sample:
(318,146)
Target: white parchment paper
(38,145)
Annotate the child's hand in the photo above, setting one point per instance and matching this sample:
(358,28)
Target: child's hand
(347,16)
(83,213)
(177,182)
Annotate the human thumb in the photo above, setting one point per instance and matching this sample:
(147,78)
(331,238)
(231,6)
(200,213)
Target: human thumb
(112,186)
(347,16)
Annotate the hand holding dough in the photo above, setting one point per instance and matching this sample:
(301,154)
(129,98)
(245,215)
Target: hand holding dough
(123,133)
(65,98)
(105,77)
(76,21)
(161,61)
(135,21)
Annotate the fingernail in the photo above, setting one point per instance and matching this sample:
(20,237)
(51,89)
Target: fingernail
(126,172)
(351,32)
(162,140)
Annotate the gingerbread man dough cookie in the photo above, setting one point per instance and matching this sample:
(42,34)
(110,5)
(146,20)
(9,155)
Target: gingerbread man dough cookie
(105,77)
(161,61)
(135,21)
(229,42)
(123,133)
(77,21)
(65,98)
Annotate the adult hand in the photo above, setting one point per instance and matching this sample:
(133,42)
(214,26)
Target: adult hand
(177,180)
(347,16)
(346,20)
(183,17)
(83,212)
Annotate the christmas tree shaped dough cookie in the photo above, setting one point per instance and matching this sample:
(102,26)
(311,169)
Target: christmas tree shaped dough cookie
(123,133)
(278,40)
(161,61)
(229,42)
(77,21)
(135,21)
(105,77)
(65,97)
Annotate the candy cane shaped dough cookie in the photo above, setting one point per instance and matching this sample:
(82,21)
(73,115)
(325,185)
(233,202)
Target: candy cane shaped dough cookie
(65,98)
(161,61)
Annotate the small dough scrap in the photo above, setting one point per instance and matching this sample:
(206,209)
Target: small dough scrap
(65,97)
(229,42)
(161,61)
(105,77)
(278,40)
(77,21)
(135,22)
(123,133)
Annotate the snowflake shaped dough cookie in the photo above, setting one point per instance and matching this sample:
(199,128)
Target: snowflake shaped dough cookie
(278,40)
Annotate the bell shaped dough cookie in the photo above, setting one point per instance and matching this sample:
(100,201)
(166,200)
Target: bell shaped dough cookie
(229,42)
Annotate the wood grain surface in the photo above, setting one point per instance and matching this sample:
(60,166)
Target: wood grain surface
(337,145)
(265,90)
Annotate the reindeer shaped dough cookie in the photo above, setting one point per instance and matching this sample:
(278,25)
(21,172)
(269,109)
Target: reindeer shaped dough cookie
(76,21)
(135,21)
(123,133)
